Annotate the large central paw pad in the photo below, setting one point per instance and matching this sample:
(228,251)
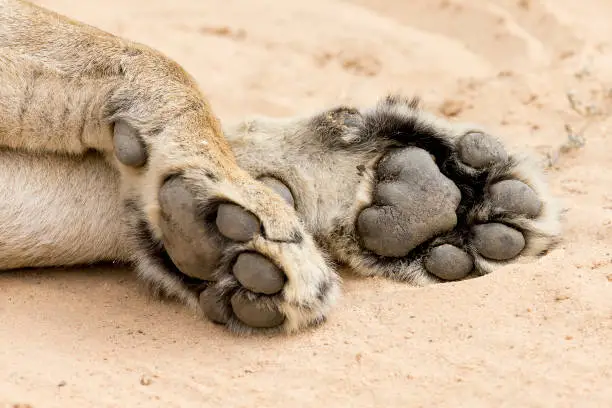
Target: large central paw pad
(412,203)
(254,282)
(186,234)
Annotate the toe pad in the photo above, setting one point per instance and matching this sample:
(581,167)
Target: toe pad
(498,241)
(212,307)
(236,223)
(280,188)
(257,274)
(449,262)
(253,316)
(517,197)
(479,149)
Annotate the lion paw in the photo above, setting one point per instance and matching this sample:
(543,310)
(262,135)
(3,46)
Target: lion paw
(415,205)
(230,246)
(442,207)
(392,191)
(451,222)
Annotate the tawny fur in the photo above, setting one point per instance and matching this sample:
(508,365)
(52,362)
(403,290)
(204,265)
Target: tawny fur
(322,183)
(63,85)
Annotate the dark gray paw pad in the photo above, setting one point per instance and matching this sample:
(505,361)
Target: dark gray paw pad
(184,235)
(517,197)
(497,241)
(129,147)
(213,307)
(236,223)
(257,274)
(412,203)
(254,316)
(280,188)
(478,149)
(449,262)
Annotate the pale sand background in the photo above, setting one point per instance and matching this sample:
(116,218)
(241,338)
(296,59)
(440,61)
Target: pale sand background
(532,335)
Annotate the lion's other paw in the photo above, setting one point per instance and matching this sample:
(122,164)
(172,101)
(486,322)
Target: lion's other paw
(257,268)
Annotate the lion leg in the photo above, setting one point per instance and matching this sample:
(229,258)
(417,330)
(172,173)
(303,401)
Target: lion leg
(74,219)
(192,215)
(460,204)
(394,191)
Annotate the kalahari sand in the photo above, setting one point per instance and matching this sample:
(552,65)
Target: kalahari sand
(537,73)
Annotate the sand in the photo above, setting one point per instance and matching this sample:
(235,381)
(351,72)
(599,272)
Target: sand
(533,334)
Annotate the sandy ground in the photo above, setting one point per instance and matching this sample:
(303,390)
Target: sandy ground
(536,334)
